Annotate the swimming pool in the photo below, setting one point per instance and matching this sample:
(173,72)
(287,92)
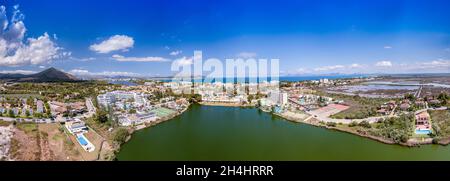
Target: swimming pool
(82,140)
(423,131)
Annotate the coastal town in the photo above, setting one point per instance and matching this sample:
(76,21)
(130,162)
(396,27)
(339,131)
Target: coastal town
(92,122)
(224,89)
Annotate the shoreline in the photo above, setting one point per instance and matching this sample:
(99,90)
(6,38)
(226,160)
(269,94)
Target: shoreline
(410,143)
(442,142)
(379,139)
(148,125)
(225,104)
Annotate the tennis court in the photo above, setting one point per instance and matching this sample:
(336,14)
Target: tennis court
(163,112)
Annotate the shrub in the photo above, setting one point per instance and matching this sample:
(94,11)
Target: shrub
(331,124)
(101,116)
(380,120)
(364,124)
(399,129)
(353,124)
(435,141)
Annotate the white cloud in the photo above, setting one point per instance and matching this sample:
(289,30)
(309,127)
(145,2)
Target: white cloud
(352,68)
(83,72)
(139,59)
(87,59)
(355,65)
(438,63)
(42,67)
(14,51)
(342,68)
(113,43)
(175,53)
(79,71)
(387,47)
(26,72)
(246,55)
(384,64)
(301,71)
(435,64)
(183,61)
(329,68)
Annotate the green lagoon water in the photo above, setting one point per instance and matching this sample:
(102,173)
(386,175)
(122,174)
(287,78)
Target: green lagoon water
(230,133)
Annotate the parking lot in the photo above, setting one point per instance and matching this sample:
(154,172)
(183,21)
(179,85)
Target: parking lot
(23,120)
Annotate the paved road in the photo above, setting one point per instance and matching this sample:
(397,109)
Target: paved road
(418,92)
(393,111)
(43,120)
(49,120)
(38,120)
(346,121)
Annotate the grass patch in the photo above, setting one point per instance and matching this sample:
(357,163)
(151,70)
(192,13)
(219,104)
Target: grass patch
(360,107)
(5,123)
(441,122)
(28,128)
(22,95)
(399,129)
(14,148)
(100,128)
(57,137)
(69,146)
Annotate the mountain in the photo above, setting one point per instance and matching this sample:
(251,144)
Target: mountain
(48,75)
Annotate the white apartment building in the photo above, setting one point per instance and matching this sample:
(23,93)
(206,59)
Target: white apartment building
(278,98)
(39,106)
(111,97)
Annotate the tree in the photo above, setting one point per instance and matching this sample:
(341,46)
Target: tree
(30,101)
(11,113)
(38,115)
(250,98)
(398,128)
(121,135)
(169,92)
(101,116)
(410,97)
(365,124)
(27,113)
(194,98)
(443,97)
(158,94)
(353,124)
(331,124)
(47,108)
(132,111)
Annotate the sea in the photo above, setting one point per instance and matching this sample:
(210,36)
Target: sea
(283,78)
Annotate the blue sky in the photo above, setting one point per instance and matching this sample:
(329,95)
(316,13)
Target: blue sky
(145,37)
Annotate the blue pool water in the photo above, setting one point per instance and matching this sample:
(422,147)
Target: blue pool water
(82,140)
(423,131)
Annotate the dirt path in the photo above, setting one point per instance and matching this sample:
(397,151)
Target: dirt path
(46,152)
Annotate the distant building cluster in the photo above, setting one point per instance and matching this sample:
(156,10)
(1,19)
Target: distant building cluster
(132,108)
(122,99)
(21,107)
